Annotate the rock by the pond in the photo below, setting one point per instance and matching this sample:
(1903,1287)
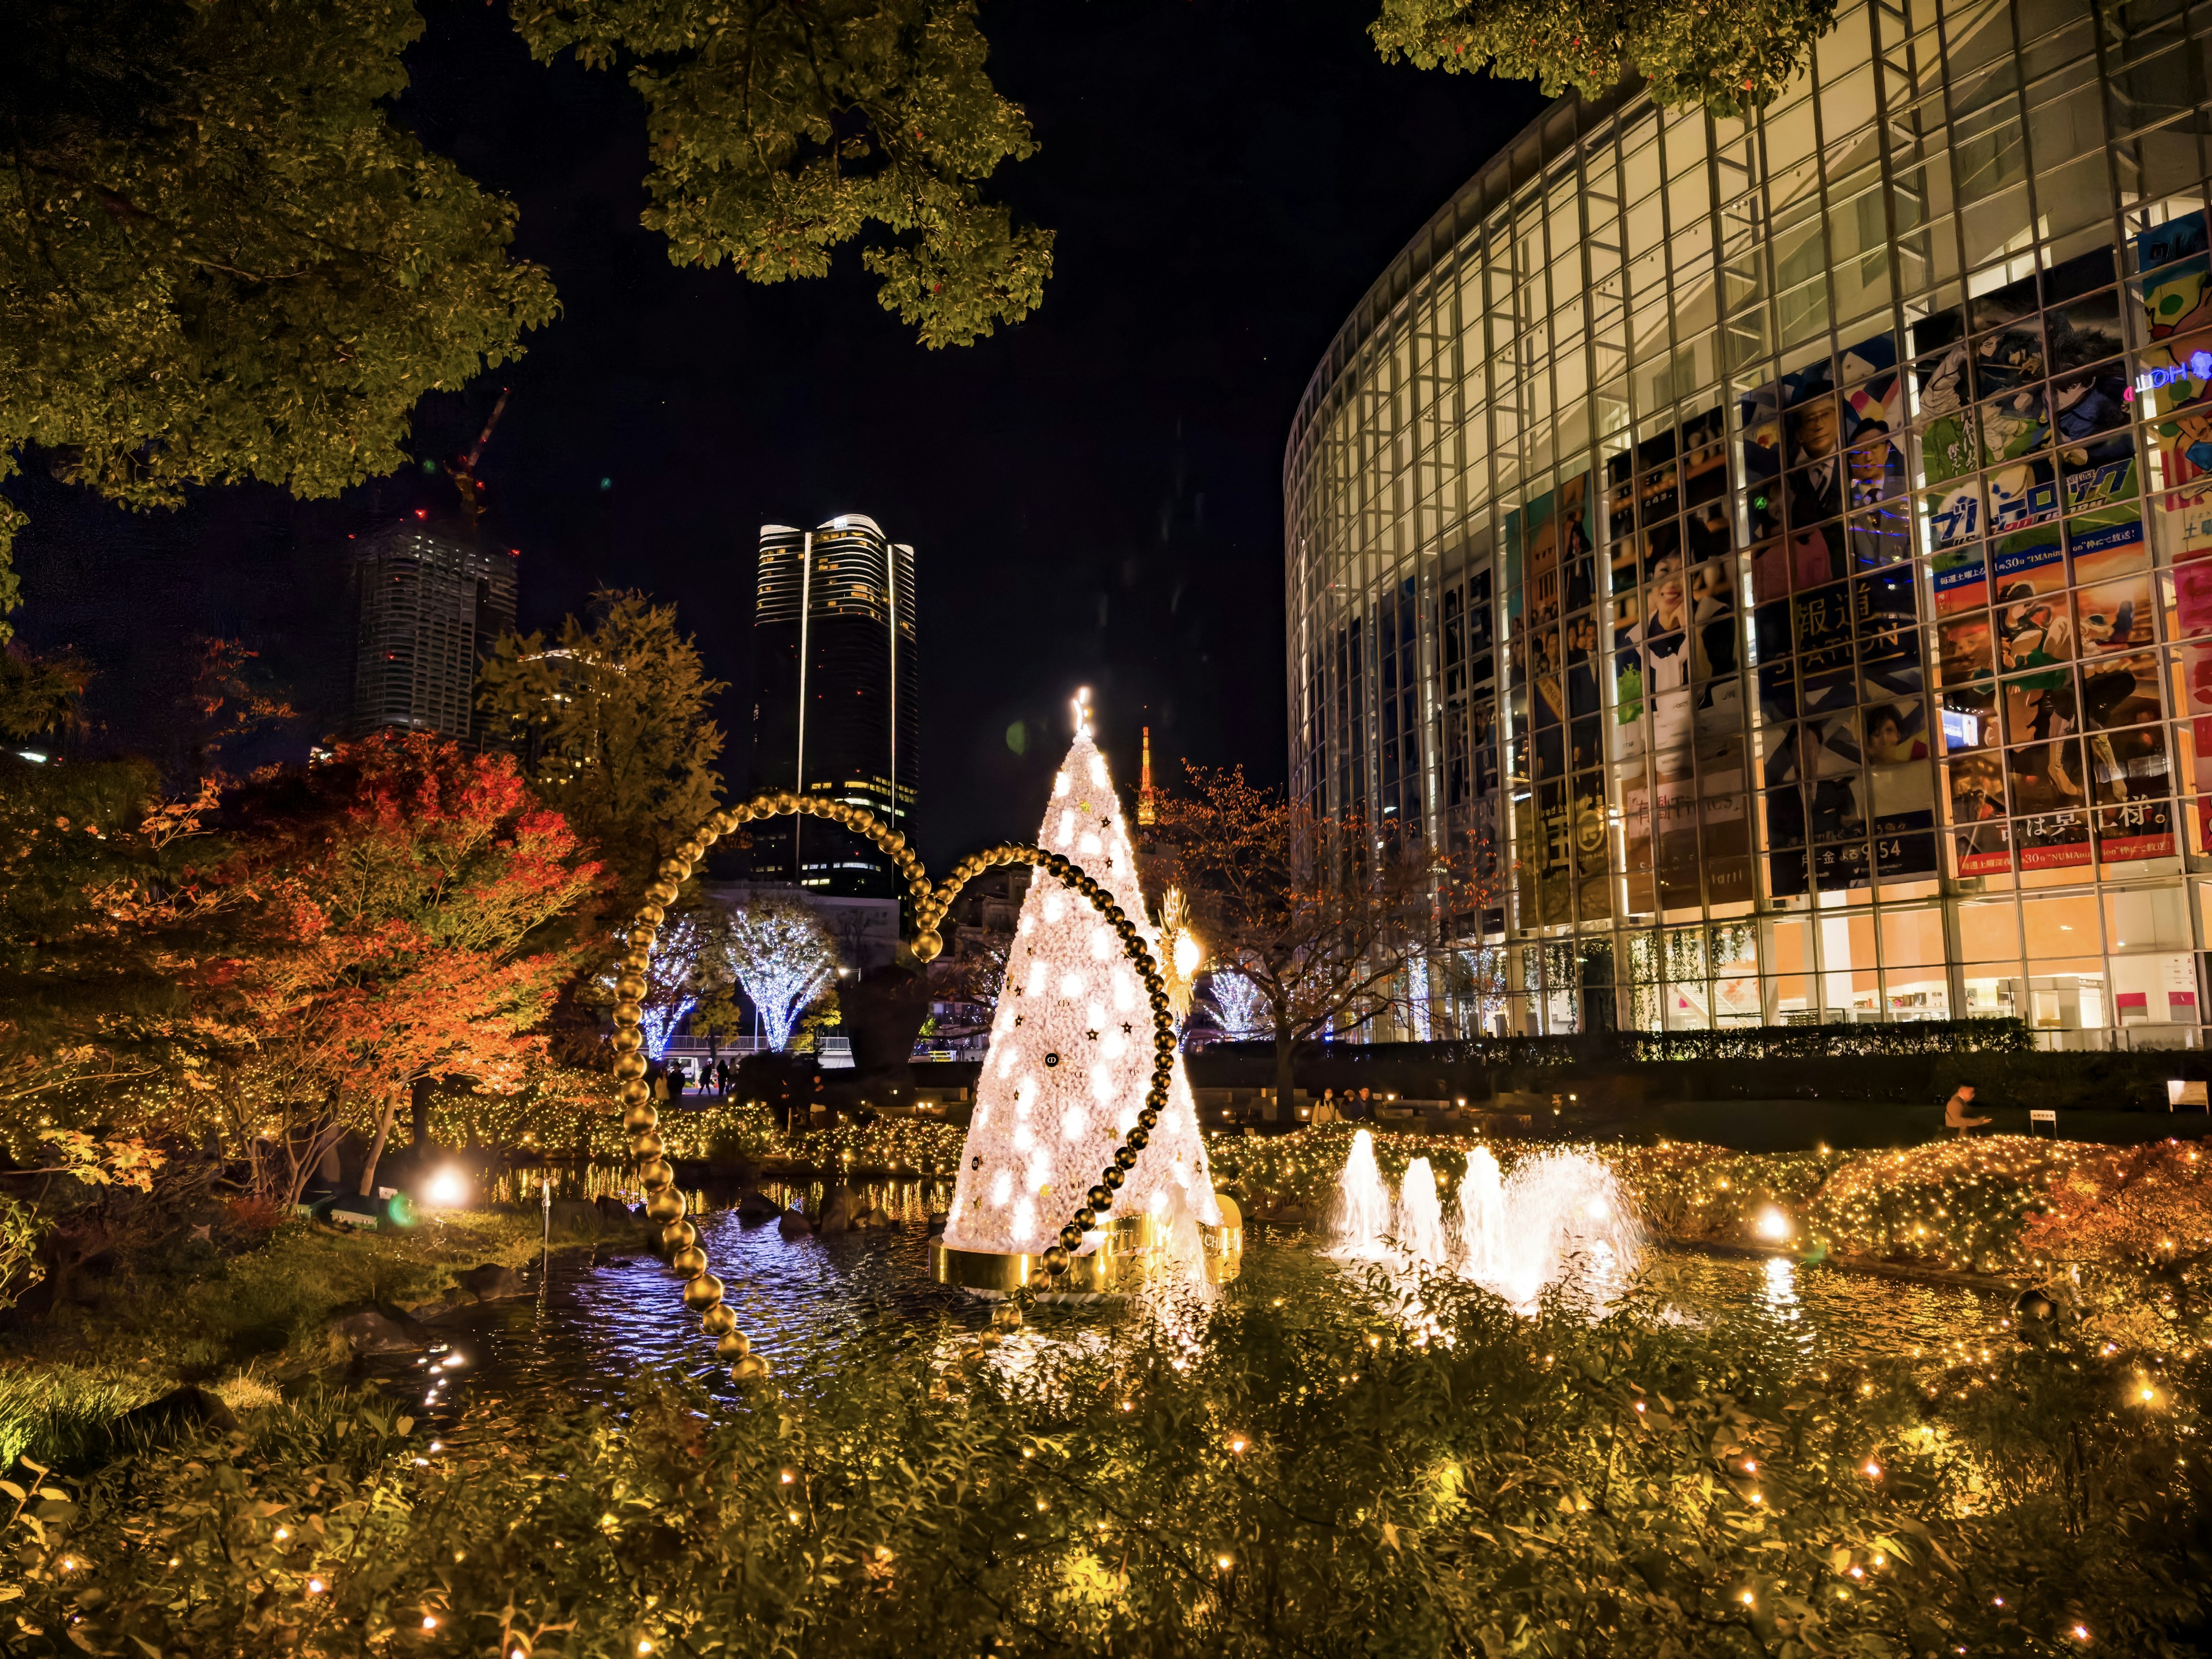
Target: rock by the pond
(792,1225)
(837,1210)
(575,1216)
(492,1282)
(758,1206)
(438,1305)
(379,1330)
(177,1412)
(613,1212)
(872,1216)
(937,1221)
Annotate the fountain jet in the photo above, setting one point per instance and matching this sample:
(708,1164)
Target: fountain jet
(1558,1213)
(1421,1218)
(1362,1228)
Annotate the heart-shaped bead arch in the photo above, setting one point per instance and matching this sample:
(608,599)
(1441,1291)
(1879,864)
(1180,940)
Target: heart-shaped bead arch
(702,1291)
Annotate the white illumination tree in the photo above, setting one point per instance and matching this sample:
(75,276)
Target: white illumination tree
(671,983)
(1239,1008)
(785,959)
(1071,1052)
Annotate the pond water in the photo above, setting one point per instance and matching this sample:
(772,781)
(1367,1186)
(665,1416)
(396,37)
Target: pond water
(599,1318)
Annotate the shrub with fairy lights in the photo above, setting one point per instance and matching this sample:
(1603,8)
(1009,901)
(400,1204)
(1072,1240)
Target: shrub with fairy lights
(2005,1205)
(1323,1474)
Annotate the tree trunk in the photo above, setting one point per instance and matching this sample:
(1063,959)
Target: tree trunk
(419,1104)
(376,1147)
(1286,1046)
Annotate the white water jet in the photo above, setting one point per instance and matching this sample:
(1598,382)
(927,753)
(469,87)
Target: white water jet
(1482,1215)
(1362,1221)
(1557,1213)
(1421,1218)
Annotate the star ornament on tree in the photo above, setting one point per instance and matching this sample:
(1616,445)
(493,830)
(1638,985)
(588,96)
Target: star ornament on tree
(1064,1081)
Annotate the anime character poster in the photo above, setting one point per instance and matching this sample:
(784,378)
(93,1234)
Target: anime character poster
(1950,448)
(1964,650)
(2130,771)
(1980,835)
(2175,382)
(2113,581)
(2032,623)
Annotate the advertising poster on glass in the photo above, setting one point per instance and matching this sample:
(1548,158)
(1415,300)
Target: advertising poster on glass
(2131,774)
(1964,647)
(1980,836)
(1950,450)
(2173,383)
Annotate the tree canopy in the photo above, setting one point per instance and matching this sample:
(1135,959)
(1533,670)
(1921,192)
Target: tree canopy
(779,129)
(1730,56)
(609,722)
(221,260)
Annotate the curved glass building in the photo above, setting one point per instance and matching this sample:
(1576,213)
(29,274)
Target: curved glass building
(1782,549)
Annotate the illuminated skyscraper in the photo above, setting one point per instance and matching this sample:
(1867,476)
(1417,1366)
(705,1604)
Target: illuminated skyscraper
(428,603)
(834,708)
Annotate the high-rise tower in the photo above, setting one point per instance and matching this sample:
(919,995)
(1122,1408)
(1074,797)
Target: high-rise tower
(835,711)
(428,603)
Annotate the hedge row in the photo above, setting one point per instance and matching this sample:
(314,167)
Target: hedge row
(1927,1036)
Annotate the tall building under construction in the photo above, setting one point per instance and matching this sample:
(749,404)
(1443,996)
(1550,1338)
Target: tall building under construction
(428,603)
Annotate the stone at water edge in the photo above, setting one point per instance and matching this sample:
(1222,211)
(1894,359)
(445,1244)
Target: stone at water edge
(574,1215)
(377,1330)
(492,1282)
(792,1224)
(837,1210)
(758,1206)
(614,1212)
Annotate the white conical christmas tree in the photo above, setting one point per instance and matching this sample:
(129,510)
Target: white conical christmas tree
(1071,1051)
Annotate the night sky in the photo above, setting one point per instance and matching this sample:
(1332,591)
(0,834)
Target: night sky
(1094,495)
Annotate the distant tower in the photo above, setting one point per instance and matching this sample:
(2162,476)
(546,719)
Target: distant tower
(1147,813)
(835,711)
(427,605)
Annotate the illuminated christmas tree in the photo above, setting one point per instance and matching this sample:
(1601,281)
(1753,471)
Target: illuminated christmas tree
(1071,1051)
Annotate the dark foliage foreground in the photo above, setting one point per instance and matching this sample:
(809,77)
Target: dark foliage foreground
(1324,1474)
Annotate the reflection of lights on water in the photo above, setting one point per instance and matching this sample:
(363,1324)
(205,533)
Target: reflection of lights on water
(1782,1286)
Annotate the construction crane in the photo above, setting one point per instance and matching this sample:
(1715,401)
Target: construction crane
(464,469)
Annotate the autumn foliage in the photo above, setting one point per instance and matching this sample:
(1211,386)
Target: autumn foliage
(1331,921)
(301,951)
(409,902)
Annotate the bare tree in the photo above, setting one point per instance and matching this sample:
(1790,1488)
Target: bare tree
(1330,921)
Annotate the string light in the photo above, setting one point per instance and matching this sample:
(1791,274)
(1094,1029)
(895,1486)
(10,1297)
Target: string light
(1071,1051)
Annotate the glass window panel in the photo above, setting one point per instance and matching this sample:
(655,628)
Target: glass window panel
(1989,932)
(2146,919)
(2063,925)
(1911,939)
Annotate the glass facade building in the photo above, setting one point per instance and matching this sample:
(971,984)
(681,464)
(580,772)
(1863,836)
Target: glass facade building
(835,705)
(1779,550)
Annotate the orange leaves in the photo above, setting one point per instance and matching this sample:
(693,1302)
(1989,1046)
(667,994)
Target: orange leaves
(406,903)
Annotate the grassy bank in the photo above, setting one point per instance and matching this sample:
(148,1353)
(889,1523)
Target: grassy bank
(232,1324)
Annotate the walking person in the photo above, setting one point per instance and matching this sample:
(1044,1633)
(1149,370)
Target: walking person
(1957,1113)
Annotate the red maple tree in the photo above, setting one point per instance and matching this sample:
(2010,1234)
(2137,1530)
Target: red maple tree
(415,916)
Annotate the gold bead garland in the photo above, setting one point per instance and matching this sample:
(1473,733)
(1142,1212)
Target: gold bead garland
(702,1290)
